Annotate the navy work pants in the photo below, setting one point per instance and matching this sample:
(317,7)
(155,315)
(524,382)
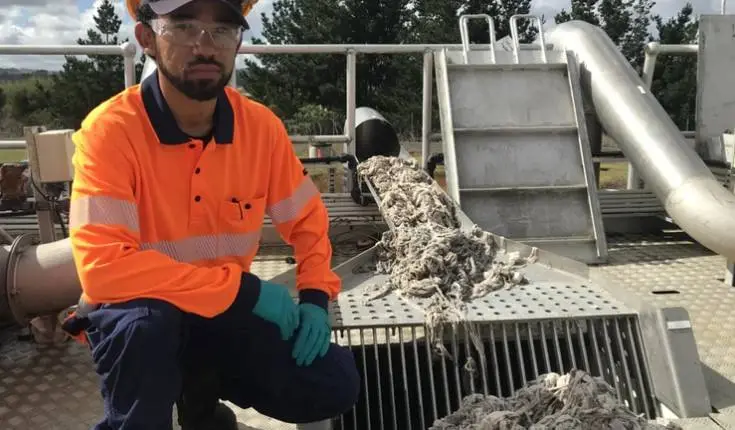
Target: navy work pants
(139,348)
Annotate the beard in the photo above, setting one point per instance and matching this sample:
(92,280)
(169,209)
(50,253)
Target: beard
(198,89)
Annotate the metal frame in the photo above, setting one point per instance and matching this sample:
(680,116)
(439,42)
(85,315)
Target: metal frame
(668,349)
(446,123)
(586,157)
(129,50)
(667,332)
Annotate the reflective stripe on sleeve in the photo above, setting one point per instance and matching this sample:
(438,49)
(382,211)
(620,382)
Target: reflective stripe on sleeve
(209,247)
(103,210)
(290,207)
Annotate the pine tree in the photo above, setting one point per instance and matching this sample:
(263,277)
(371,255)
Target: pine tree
(638,35)
(287,82)
(437,21)
(500,11)
(626,22)
(613,16)
(675,78)
(84,83)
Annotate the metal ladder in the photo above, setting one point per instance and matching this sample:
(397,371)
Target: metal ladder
(515,143)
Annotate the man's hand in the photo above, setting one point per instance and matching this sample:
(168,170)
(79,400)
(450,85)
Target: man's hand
(314,333)
(276,305)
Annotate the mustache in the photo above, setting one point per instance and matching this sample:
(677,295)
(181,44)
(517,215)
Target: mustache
(206,62)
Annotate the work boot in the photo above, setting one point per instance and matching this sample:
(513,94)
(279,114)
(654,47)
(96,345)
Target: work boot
(199,407)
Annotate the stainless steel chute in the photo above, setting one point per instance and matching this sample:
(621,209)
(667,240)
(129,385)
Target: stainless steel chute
(648,137)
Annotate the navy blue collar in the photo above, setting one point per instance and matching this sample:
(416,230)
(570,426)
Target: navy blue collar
(165,125)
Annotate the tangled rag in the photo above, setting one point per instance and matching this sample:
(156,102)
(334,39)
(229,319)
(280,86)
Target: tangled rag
(427,254)
(574,401)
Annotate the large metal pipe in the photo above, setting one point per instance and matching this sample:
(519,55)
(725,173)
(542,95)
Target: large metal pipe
(38,279)
(649,138)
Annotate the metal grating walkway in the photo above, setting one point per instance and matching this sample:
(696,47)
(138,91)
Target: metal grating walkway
(55,388)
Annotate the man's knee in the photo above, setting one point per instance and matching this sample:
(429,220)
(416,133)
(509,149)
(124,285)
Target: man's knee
(144,329)
(347,391)
(135,347)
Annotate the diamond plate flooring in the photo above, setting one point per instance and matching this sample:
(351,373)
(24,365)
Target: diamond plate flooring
(54,388)
(673,270)
(47,387)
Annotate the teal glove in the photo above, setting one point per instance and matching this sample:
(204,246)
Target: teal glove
(314,334)
(276,305)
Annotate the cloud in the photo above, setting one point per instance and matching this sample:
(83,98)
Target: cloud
(62,22)
(665,8)
(46,22)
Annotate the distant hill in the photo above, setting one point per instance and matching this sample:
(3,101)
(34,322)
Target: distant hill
(14,74)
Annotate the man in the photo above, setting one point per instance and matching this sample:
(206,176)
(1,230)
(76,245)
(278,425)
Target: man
(172,181)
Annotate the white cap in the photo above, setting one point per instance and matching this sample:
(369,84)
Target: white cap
(164,7)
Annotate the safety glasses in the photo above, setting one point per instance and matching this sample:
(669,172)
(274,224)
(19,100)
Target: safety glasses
(187,32)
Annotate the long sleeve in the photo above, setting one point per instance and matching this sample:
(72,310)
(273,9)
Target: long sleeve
(106,239)
(300,216)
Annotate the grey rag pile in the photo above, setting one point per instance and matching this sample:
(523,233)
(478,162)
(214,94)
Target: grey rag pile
(574,401)
(426,254)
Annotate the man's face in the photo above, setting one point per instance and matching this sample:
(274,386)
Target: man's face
(195,47)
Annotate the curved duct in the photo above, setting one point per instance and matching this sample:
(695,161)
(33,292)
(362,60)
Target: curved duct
(374,135)
(39,279)
(648,137)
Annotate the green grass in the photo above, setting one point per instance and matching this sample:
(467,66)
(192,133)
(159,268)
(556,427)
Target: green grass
(613,175)
(12,155)
(27,83)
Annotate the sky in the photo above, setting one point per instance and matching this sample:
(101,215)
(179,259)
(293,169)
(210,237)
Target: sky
(55,22)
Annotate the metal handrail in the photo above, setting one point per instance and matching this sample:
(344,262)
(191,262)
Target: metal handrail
(653,49)
(464,34)
(129,50)
(516,38)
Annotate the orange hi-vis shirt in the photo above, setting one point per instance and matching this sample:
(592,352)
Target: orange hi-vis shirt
(158,214)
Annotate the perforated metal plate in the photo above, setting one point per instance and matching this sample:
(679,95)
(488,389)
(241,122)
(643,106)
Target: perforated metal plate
(548,294)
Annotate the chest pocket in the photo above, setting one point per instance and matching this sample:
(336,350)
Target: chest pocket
(242,215)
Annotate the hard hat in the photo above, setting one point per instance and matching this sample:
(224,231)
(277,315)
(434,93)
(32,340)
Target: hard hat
(170,5)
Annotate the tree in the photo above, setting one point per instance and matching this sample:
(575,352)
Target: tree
(582,10)
(633,42)
(437,21)
(613,16)
(287,82)
(501,11)
(626,22)
(675,77)
(28,103)
(388,83)
(84,83)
